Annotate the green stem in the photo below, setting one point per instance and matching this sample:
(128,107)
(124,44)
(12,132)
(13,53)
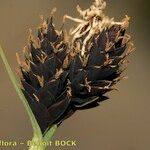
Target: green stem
(37,134)
(41,144)
(34,123)
(50,133)
(36,143)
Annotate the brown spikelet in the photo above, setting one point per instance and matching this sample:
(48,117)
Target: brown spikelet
(61,76)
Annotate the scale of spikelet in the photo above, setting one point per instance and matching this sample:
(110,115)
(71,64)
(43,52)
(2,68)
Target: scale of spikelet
(100,46)
(42,77)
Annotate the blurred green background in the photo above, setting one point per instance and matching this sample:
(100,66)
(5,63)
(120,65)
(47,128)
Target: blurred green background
(121,123)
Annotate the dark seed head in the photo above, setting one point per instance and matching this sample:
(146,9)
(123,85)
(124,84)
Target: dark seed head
(60,77)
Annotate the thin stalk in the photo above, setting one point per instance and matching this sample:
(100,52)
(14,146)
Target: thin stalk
(36,128)
(38,144)
(50,133)
(37,134)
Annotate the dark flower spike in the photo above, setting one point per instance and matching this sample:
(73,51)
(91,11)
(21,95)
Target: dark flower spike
(59,76)
(43,79)
(100,46)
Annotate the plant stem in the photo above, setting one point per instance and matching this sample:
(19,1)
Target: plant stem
(35,144)
(34,123)
(38,144)
(37,134)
